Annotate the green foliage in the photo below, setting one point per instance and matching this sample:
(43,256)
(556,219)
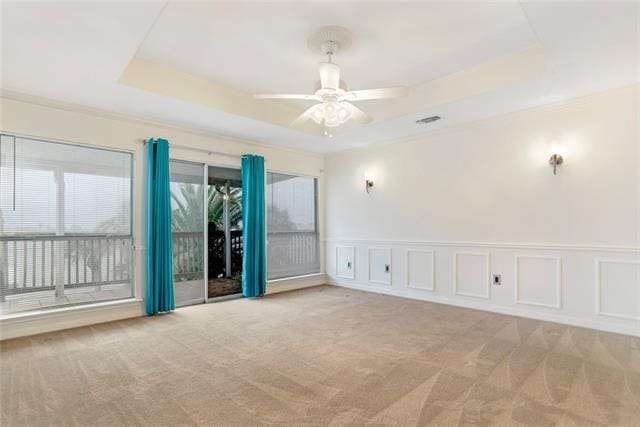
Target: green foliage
(187,215)
(216,207)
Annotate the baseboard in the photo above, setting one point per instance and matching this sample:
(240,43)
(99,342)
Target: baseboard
(485,306)
(33,323)
(284,285)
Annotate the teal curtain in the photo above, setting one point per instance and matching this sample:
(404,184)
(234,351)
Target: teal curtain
(254,261)
(160,292)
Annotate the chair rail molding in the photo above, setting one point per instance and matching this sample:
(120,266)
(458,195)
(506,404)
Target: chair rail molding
(466,244)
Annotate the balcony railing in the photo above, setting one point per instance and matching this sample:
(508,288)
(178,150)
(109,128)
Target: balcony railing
(288,254)
(41,262)
(292,254)
(46,262)
(188,253)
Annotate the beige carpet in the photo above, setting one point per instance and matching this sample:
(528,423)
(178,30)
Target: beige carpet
(322,356)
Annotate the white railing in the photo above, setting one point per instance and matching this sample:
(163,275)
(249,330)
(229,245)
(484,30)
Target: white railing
(47,262)
(290,254)
(188,255)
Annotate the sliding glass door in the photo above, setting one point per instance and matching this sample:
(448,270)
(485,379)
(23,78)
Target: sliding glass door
(187,205)
(225,247)
(206,204)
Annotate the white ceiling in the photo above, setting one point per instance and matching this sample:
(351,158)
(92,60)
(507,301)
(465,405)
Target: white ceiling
(262,47)
(462,61)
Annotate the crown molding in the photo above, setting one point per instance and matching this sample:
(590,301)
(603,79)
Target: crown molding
(112,115)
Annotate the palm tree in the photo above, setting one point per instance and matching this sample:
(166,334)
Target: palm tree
(187,215)
(216,207)
(186,203)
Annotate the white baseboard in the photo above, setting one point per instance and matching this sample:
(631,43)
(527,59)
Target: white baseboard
(488,306)
(284,285)
(31,323)
(38,322)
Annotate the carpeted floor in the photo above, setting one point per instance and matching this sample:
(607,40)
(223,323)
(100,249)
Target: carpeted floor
(322,356)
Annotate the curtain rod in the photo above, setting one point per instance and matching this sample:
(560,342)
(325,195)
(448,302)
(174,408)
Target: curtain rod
(200,150)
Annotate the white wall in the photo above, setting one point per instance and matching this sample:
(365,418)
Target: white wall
(52,120)
(481,199)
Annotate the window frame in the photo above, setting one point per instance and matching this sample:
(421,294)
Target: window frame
(132,212)
(316,188)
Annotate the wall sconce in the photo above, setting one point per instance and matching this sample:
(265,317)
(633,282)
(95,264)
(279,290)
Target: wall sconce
(556,158)
(368,181)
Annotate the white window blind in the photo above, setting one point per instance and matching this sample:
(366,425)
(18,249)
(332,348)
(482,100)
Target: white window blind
(65,224)
(292,226)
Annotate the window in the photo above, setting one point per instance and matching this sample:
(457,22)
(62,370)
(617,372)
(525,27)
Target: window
(292,226)
(65,224)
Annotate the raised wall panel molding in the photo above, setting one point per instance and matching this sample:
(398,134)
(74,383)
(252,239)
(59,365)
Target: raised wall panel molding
(376,270)
(428,278)
(625,293)
(538,281)
(617,295)
(345,254)
(481,277)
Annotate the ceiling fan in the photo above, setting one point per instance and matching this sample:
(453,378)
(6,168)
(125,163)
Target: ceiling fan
(334,101)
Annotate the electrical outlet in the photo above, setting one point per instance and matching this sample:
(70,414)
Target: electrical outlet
(497,279)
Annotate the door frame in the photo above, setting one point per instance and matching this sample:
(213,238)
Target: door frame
(206,229)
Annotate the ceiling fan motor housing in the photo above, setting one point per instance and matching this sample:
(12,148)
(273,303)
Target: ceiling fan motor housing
(328,40)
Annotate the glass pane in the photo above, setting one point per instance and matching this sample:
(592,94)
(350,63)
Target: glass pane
(93,188)
(292,231)
(187,204)
(225,231)
(65,224)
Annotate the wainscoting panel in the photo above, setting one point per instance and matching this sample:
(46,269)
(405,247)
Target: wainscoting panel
(471,274)
(538,280)
(346,262)
(380,266)
(420,269)
(618,289)
(593,287)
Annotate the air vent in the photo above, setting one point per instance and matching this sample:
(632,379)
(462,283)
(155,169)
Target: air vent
(428,120)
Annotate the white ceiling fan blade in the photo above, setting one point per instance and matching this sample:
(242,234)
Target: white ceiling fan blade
(357,114)
(289,96)
(382,93)
(329,75)
(304,117)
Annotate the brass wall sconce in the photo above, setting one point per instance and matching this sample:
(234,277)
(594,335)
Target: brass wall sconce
(368,181)
(556,160)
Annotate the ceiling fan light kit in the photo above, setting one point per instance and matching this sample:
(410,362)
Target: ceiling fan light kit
(334,106)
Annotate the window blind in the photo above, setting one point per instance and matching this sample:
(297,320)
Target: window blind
(65,224)
(292,226)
